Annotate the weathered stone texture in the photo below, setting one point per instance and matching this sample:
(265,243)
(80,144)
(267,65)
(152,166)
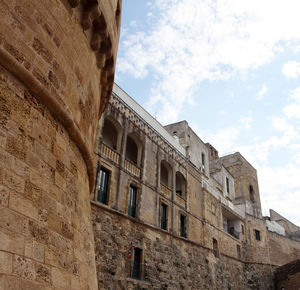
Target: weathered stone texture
(41,199)
(173,263)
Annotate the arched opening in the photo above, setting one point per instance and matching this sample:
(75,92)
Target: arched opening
(165,174)
(251,193)
(133,150)
(111,133)
(215,248)
(180,184)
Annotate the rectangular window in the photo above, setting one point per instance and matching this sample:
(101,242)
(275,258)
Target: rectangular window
(227,184)
(103,186)
(132,201)
(257,235)
(238,249)
(203,159)
(163,216)
(243,230)
(137,263)
(182,226)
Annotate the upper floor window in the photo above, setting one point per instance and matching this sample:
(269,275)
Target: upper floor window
(133,150)
(111,133)
(227,185)
(180,184)
(203,160)
(165,174)
(103,186)
(257,235)
(132,201)
(238,250)
(163,216)
(183,226)
(251,193)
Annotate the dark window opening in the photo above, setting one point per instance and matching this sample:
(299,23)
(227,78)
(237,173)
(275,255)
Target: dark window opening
(137,263)
(180,184)
(131,150)
(251,193)
(203,159)
(132,201)
(109,134)
(215,248)
(257,235)
(183,226)
(163,216)
(238,249)
(227,184)
(103,186)
(243,230)
(165,174)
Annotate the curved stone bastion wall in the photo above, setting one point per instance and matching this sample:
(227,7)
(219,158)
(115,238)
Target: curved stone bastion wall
(57,61)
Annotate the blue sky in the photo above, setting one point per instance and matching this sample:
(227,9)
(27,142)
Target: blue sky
(231,68)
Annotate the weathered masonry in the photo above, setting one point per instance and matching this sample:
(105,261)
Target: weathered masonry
(57,62)
(168,212)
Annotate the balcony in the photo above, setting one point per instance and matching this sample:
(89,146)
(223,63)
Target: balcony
(109,153)
(165,190)
(132,168)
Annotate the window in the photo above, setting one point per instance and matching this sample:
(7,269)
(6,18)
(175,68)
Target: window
(112,133)
(132,201)
(257,235)
(182,226)
(180,184)
(238,250)
(203,160)
(163,216)
(215,248)
(137,263)
(131,150)
(165,174)
(251,193)
(103,186)
(227,184)
(243,230)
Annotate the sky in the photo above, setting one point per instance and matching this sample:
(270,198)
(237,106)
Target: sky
(231,69)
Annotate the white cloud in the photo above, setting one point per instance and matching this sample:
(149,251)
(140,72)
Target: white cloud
(194,40)
(293,109)
(262,92)
(246,122)
(291,69)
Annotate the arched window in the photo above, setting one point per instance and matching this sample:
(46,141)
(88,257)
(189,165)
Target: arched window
(165,174)
(111,133)
(180,184)
(215,248)
(251,193)
(133,150)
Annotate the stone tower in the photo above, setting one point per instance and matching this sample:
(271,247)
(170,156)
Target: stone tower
(57,62)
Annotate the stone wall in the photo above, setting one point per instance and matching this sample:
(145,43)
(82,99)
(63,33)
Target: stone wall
(282,249)
(173,262)
(57,61)
(288,276)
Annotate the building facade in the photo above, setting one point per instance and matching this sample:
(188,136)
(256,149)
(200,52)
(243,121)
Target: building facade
(169,213)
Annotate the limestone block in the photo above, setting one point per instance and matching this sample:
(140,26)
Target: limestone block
(9,282)
(24,267)
(5,263)
(4,195)
(61,278)
(11,242)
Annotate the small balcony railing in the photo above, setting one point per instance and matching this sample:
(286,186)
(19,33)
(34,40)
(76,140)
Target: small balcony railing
(132,168)
(109,153)
(165,190)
